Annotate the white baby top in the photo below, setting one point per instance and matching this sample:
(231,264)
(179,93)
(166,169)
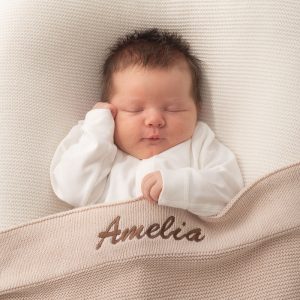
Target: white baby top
(200,175)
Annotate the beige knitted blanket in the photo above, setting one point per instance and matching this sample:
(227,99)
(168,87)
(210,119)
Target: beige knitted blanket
(138,250)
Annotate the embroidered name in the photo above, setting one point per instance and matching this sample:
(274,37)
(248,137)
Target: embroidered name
(152,232)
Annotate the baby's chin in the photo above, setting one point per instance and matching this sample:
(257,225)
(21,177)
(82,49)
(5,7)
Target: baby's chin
(144,153)
(147,149)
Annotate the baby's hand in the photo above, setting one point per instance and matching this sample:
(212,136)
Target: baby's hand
(108,105)
(152,186)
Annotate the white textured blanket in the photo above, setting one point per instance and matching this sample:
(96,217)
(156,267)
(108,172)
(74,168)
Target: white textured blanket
(50,58)
(139,250)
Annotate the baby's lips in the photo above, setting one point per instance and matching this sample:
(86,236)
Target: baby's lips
(155,136)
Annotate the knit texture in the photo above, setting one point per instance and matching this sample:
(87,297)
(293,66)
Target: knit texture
(250,251)
(50,58)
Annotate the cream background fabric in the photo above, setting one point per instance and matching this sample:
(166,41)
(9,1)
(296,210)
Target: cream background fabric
(50,57)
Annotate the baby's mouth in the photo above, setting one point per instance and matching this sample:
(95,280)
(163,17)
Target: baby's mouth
(153,137)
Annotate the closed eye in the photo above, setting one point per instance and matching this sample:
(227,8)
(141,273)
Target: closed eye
(133,110)
(170,109)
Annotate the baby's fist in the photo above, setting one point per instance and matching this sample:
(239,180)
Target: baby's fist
(106,105)
(152,186)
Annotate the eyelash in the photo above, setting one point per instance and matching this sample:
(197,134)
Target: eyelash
(134,111)
(174,110)
(167,110)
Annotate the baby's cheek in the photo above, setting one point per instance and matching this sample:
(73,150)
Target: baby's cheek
(183,131)
(126,133)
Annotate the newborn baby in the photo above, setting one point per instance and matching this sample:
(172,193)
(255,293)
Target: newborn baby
(144,139)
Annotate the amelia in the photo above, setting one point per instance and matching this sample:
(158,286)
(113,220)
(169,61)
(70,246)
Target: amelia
(152,232)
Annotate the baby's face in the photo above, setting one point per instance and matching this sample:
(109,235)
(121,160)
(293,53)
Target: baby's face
(155,107)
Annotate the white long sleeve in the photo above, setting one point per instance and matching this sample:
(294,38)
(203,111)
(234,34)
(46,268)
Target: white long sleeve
(210,184)
(83,159)
(200,175)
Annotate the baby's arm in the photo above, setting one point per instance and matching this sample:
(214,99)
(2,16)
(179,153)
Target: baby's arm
(207,190)
(82,161)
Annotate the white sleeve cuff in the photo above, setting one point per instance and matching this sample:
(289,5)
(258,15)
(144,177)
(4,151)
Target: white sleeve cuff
(175,189)
(99,123)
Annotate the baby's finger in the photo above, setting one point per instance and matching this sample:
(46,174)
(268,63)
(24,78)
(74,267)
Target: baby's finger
(155,191)
(113,110)
(101,105)
(146,192)
(147,184)
(106,105)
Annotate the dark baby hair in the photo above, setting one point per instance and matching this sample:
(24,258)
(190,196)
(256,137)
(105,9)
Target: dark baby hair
(149,48)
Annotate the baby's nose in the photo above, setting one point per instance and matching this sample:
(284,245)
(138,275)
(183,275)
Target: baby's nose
(154,118)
